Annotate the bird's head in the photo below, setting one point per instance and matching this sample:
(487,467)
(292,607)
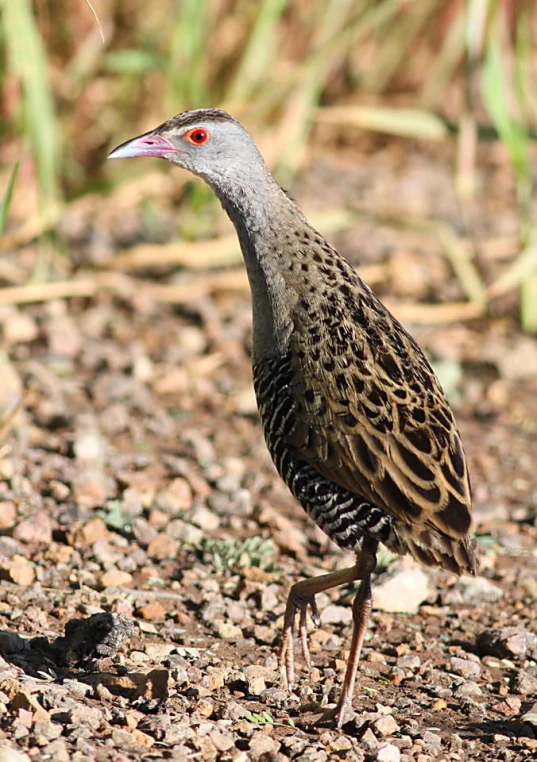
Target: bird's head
(208,142)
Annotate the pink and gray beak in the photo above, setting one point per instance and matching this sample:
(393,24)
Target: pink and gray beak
(149,144)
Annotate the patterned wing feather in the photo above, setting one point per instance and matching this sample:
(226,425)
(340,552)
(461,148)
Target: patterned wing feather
(372,416)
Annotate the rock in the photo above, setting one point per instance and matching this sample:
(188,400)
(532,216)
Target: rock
(36,528)
(256,677)
(153,611)
(59,554)
(26,701)
(403,592)
(468,689)
(90,532)
(431,740)
(229,631)
(77,688)
(369,740)
(57,751)
(154,685)
(158,519)
(244,401)
(12,755)
(332,614)
(524,683)
(508,643)
(388,753)
(204,518)
(409,661)
(18,570)
(185,532)
(265,634)
(261,744)
(131,740)
(99,636)
(159,651)
(465,668)
(174,499)
(517,360)
(142,531)
(222,741)
(385,726)
(90,487)
(511,705)
(8,514)
(116,578)
(478,590)
(20,328)
(163,546)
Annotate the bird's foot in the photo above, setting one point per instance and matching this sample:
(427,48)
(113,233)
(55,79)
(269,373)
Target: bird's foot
(337,716)
(296,605)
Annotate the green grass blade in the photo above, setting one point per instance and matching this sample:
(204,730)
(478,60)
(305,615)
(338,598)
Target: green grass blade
(187,83)
(131,61)
(6,201)
(27,62)
(259,52)
(405,122)
(512,133)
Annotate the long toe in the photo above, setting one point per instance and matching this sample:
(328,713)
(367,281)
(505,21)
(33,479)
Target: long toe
(287,659)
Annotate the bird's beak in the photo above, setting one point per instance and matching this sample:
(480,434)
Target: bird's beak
(149,144)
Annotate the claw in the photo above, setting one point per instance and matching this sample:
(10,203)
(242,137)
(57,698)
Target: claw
(338,715)
(287,656)
(315,618)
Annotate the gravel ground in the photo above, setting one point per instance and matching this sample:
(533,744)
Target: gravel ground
(147,544)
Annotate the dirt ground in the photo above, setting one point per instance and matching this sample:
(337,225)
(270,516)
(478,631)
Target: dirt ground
(147,543)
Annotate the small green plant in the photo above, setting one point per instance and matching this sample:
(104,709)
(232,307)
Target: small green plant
(264,718)
(113,516)
(234,555)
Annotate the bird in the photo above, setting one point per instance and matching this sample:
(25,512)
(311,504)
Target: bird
(353,415)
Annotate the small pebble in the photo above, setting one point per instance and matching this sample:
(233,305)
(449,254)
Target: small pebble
(336,614)
(388,753)
(468,689)
(465,668)
(431,739)
(369,740)
(402,592)
(478,590)
(409,661)
(385,726)
(508,643)
(524,683)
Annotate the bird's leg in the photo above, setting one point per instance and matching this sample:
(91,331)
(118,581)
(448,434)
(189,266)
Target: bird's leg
(361,608)
(302,595)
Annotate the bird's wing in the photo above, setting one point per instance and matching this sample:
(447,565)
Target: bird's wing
(373,418)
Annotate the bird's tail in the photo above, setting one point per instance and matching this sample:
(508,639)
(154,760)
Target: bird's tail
(433,548)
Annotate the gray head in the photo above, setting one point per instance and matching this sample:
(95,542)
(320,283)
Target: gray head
(208,142)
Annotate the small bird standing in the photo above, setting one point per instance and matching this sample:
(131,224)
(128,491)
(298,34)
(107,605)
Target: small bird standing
(353,414)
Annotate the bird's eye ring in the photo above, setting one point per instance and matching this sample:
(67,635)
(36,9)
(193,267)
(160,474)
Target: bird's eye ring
(198,136)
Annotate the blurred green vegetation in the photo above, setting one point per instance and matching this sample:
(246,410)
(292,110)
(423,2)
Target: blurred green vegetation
(79,79)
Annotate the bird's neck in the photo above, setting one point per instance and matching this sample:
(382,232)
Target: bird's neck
(265,219)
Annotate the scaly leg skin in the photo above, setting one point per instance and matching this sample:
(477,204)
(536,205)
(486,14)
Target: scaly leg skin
(302,595)
(361,609)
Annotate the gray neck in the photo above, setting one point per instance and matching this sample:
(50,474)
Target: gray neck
(262,214)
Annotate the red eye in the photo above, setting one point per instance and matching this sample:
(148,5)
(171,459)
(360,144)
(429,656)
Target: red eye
(197,136)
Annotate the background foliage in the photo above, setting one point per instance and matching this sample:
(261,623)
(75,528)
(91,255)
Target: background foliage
(78,78)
